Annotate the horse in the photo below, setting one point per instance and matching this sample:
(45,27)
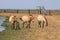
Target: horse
(12,21)
(26,19)
(42,21)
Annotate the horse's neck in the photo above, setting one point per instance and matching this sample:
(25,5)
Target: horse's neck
(31,18)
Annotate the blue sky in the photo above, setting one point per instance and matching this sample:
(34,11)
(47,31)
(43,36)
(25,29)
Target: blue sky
(29,4)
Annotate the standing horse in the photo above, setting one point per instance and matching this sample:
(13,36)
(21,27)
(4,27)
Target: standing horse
(42,20)
(26,19)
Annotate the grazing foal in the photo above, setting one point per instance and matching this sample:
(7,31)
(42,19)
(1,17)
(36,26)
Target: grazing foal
(26,19)
(42,20)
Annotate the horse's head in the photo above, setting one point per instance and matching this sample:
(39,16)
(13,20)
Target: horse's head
(31,18)
(21,19)
(12,19)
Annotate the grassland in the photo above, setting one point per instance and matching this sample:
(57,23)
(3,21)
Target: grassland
(52,32)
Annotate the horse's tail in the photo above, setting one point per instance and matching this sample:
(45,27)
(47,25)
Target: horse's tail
(46,21)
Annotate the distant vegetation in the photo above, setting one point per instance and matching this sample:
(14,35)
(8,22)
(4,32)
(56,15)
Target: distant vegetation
(48,12)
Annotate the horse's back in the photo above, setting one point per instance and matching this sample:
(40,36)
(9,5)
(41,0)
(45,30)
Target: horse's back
(40,17)
(25,18)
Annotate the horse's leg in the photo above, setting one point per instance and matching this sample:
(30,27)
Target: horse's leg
(17,26)
(43,24)
(13,25)
(23,24)
(28,25)
(39,23)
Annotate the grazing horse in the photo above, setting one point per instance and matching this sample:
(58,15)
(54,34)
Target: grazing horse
(42,21)
(26,19)
(12,21)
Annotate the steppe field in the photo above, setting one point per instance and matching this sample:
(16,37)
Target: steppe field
(50,32)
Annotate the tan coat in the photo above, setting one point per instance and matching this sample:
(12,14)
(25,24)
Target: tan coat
(27,18)
(11,19)
(41,18)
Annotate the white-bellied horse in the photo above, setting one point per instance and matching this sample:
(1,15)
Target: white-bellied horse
(26,19)
(42,20)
